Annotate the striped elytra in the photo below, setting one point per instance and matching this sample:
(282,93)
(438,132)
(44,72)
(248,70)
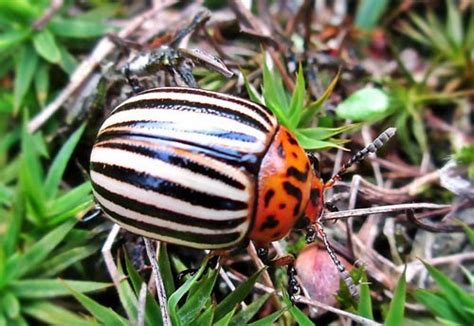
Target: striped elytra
(201,169)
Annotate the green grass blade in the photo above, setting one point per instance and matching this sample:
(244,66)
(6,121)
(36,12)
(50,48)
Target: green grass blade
(67,61)
(25,69)
(77,28)
(369,13)
(126,295)
(104,314)
(243,316)
(58,263)
(314,144)
(314,107)
(11,305)
(14,223)
(42,83)
(206,318)
(460,300)
(52,288)
(364,307)
(237,296)
(454,24)
(438,305)
(20,265)
(224,321)
(165,269)
(321,133)
(59,164)
(396,312)
(270,319)
(70,199)
(46,46)
(198,298)
(52,314)
(297,100)
(253,93)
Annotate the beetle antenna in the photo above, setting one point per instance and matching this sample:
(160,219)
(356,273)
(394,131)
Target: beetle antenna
(361,155)
(340,267)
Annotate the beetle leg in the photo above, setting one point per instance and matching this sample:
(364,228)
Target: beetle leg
(132,81)
(91,214)
(293,287)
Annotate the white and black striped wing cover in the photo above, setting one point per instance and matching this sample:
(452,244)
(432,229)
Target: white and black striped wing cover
(180,165)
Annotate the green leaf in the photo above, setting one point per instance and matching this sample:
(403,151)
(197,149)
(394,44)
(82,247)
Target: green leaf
(77,28)
(364,307)
(14,223)
(12,38)
(46,46)
(454,24)
(439,306)
(152,309)
(270,319)
(198,298)
(396,311)
(58,263)
(59,164)
(314,107)
(244,315)
(224,321)
(42,83)
(67,62)
(459,299)
(71,199)
(24,72)
(20,265)
(165,270)
(369,12)
(127,297)
(237,296)
(297,100)
(469,232)
(104,314)
(253,93)
(180,292)
(274,94)
(206,318)
(366,104)
(11,305)
(322,133)
(314,144)
(51,288)
(53,314)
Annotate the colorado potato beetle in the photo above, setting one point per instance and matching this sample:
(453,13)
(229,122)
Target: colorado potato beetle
(205,170)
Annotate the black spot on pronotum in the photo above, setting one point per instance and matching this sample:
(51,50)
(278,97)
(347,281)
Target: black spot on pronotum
(314,195)
(294,192)
(282,206)
(270,223)
(297,174)
(281,151)
(268,196)
(294,154)
(291,139)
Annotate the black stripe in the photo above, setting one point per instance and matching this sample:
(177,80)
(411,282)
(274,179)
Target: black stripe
(295,192)
(214,239)
(257,108)
(297,174)
(164,214)
(226,155)
(176,160)
(171,125)
(204,108)
(167,188)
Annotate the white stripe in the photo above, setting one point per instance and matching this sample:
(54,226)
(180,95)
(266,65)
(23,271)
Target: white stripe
(210,121)
(162,201)
(166,171)
(146,219)
(198,99)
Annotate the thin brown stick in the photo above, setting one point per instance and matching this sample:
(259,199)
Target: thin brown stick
(85,69)
(310,302)
(48,14)
(380,209)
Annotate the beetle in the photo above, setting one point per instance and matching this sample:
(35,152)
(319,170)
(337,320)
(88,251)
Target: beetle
(207,170)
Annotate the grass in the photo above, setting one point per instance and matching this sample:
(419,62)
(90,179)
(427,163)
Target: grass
(50,266)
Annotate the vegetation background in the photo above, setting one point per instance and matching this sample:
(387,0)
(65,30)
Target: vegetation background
(335,72)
